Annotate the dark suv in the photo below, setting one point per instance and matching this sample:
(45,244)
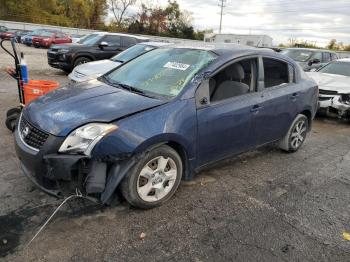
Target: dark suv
(93,47)
(309,58)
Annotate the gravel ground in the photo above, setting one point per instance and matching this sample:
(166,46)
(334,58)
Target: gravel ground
(36,58)
(264,205)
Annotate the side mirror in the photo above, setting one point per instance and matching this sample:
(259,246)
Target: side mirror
(314,61)
(103,44)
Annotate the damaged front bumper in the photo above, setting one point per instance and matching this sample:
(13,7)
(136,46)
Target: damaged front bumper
(60,175)
(335,104)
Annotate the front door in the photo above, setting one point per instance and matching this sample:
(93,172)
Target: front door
(113,48)
(225,120)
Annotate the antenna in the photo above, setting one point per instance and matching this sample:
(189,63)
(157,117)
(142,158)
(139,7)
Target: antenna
(221,13)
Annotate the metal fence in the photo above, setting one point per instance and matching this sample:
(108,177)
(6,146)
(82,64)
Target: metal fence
(80,31)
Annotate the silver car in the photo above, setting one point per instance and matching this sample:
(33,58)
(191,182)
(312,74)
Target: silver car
(92,70)
(334,88)
(310,59)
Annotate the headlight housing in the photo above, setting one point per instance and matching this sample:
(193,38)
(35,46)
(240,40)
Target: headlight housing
(83,139)
(63,51)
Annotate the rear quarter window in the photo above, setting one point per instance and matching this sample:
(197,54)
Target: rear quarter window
(128,41)
(112,40)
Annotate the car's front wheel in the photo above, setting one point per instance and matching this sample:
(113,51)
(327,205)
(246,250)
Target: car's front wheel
(154,179)
(81,60)
(296,134)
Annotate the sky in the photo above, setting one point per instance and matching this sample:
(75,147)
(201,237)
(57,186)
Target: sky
(317,20)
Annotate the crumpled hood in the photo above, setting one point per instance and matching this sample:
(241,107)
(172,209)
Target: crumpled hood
(331,82)
(96,67)
(67,108)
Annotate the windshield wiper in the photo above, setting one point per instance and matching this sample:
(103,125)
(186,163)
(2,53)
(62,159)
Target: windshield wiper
(133,89)
(129,88)
(116,60)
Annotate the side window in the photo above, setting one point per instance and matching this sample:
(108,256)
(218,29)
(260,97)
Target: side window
(326,57)
(317,55)
(112,40)
(334,56)
(59,35)
(276,72)
(234,80)
(128,41)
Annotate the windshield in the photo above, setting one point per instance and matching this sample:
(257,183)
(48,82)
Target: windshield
(90,39)
(132,52)
(298,55)
(336,68)
(163,71)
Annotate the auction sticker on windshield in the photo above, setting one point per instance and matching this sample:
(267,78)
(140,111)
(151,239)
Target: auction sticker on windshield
(178,66)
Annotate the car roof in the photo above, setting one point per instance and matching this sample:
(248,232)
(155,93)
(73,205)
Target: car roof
(156,44)
(223,48)
(347,60)
(120,34)
(309,49)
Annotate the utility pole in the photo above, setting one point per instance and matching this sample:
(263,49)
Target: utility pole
(221,13)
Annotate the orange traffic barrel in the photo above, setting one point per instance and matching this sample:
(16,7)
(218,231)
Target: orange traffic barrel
(37,88)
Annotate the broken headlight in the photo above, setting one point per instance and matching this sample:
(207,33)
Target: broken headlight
(83,139)
(345,98)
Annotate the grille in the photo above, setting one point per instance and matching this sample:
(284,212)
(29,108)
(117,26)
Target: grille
(323,98)
(31,135)
(327,92)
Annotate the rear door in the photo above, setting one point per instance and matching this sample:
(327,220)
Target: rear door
(278,95)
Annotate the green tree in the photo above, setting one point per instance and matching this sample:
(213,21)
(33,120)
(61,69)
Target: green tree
(332,45)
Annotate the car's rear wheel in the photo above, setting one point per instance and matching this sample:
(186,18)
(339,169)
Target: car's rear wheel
(154,179)
(296,134)
(81,60)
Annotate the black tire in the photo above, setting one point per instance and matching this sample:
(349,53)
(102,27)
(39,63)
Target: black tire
(288,142)
(15,110)
(11,122)
(130,182)
(81,60)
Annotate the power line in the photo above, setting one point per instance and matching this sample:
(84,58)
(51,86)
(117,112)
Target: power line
(221,13)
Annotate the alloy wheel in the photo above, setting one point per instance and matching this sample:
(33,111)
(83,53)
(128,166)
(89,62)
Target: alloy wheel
(298,134)
(156,179)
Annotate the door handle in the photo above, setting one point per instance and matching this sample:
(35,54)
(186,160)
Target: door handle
(294,96)
(255,108)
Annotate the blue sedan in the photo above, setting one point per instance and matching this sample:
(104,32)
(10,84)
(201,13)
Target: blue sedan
(162,117)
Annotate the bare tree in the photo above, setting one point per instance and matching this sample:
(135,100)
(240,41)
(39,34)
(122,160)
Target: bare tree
(119,7)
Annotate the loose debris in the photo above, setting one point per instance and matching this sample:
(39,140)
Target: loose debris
(142,236)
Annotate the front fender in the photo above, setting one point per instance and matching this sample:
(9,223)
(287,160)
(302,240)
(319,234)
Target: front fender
(171,122)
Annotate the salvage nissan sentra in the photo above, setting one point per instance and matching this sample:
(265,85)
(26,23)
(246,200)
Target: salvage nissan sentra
(161,118)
